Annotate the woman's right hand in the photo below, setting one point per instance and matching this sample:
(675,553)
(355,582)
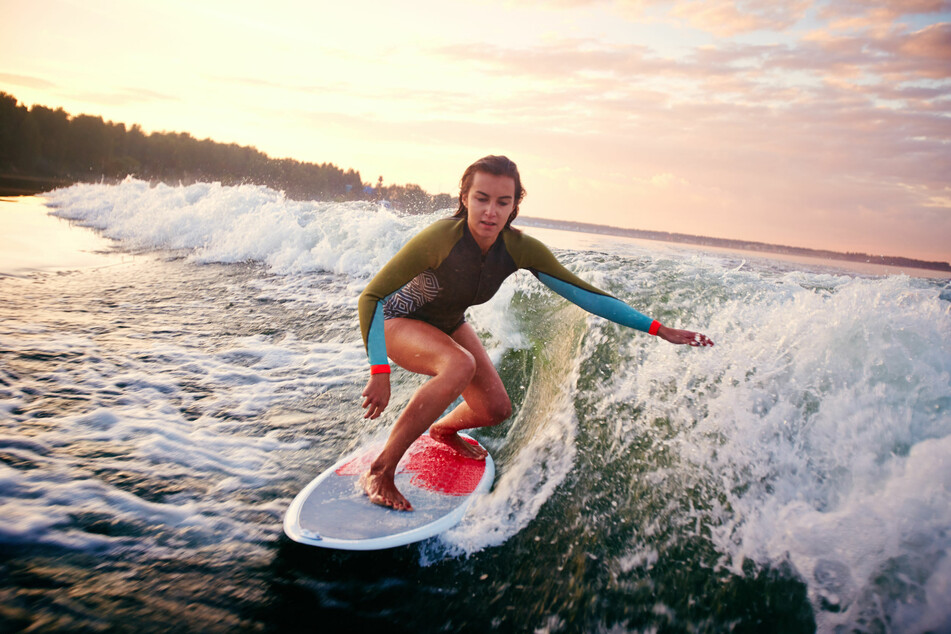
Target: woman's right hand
(680,337)
(377,394)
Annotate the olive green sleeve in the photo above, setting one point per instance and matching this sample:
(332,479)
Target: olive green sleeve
(426,250)
(529,253)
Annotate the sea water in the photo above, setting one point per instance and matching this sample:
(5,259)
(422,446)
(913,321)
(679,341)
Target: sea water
(161,406)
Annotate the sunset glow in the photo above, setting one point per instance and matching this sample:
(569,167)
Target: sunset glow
(806,123)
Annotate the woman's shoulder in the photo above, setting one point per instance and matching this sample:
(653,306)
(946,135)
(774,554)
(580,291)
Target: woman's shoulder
(517,237)
(524,249)
(443,228)
(433,242)
(448,220)
(450,223)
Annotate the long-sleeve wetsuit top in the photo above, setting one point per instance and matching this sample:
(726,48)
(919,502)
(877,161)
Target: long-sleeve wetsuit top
(442,271)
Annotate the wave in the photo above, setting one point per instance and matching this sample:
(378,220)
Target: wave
(229,224)
(813,435)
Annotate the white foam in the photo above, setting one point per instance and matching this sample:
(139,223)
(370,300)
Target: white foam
(228,224)
(527,482)
(541,440)
(498,327)
(823,417)
(145,435)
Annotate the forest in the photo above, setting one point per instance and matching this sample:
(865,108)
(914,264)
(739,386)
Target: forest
(42,148)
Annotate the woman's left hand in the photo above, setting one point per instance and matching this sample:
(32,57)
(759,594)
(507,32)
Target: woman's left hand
(684,337)
(377,395)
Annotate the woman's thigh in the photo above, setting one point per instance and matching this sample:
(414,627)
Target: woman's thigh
(419,347)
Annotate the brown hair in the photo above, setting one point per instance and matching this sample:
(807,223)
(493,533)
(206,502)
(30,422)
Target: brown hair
(497,166)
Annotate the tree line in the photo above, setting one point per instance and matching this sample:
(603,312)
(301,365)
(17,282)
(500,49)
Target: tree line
(42,148)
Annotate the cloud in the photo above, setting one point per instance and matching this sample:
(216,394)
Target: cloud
(26,81)
(720,17)
(897,54)
(815,128)
(847,68)
(926,52)
(874,16)
(728,17)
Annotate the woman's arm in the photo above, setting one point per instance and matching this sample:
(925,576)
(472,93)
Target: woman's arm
(531,254)
(425,250)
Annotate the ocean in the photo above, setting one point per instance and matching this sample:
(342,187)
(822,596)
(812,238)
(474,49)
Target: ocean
(176,363)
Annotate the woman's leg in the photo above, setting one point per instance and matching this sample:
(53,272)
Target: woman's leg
(486,402)
(424,349)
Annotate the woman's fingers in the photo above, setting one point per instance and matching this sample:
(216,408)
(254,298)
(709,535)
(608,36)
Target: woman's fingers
(699,340)
(377,393)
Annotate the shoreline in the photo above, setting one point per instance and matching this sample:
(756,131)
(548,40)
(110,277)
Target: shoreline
(37,241)
(737,245)
(12,185)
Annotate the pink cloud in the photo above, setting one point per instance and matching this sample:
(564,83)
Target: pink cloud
(929,49)
(897,54)
(877,16)
(727,18)
(790,131)
(721,17)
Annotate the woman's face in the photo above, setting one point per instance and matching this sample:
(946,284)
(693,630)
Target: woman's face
(489,202)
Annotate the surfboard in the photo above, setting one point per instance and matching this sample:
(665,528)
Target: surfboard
(332,511)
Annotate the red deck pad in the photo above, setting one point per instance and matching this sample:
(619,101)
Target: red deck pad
(436,467)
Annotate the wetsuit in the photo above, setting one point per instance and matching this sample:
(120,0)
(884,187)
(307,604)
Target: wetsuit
(442,271)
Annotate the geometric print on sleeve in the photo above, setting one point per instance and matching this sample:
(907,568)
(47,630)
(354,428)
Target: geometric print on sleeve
(421,290)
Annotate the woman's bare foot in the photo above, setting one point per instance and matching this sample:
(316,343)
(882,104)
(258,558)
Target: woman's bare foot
(381,490)
(455,441)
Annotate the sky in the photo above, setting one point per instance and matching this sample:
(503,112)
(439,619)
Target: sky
(822,124)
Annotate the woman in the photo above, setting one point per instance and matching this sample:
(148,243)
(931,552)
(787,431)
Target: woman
(413,312)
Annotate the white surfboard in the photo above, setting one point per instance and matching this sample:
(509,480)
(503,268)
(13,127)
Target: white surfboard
(334,512)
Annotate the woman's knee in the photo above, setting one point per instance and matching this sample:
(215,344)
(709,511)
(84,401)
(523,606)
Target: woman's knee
(498,409)
(494,406)
(460,367)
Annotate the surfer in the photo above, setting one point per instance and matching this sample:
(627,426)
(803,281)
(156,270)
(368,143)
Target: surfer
(413,312)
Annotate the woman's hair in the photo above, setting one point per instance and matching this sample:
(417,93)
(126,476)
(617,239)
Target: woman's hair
(497,166)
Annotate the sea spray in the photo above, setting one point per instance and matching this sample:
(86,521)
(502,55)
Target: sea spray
(825,393)
(213,223)
(538,447)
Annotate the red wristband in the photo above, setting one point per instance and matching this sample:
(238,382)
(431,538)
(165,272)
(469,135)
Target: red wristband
(655,327)
(380,369)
